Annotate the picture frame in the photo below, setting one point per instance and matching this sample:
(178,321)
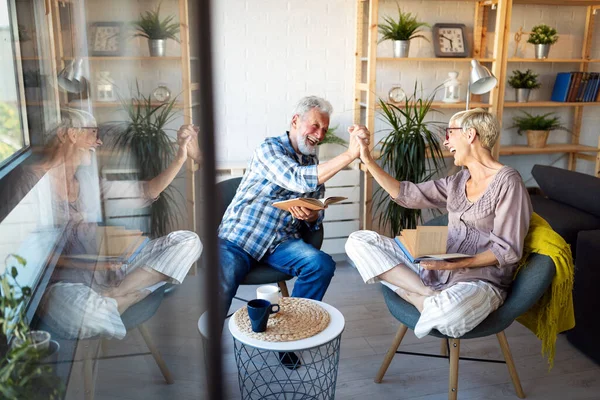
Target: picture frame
(106,39)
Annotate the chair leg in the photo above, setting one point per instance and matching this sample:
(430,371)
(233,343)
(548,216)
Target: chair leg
(444,347)
(156,354)
(453,380)
(92,348)
(283,287)
(391,352)
(510,364)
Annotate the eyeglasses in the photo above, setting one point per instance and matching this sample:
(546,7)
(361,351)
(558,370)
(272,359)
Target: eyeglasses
(448,131)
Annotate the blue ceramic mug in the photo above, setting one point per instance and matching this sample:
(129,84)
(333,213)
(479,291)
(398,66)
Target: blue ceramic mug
(259,311)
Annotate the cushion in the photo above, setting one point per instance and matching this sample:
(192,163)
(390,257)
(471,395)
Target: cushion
(569,187)
(567,221)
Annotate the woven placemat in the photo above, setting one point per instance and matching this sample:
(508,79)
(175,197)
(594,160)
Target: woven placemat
(297,319)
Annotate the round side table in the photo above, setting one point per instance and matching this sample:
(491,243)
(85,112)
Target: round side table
(262,376)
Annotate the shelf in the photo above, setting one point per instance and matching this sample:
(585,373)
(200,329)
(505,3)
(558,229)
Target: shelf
(513,104)
(133,58)
(441,104)
(552,60)
(111,104)
(549,149)
(432,59)
(559,2)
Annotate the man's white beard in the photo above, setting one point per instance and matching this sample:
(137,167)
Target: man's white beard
(306,148)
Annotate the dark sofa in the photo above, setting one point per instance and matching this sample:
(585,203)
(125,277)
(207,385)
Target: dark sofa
(570,202)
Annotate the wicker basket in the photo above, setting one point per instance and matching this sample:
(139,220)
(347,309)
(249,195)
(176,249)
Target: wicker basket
(537,139)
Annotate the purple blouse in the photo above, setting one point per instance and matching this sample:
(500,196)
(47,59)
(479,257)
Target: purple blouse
(497,221)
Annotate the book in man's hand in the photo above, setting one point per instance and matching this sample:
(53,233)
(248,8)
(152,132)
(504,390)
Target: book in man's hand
(310,203)
(426,243)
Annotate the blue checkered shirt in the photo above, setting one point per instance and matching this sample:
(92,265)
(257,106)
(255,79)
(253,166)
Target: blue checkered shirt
(276,173)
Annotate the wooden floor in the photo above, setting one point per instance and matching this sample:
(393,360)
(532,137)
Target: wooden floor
(369,331)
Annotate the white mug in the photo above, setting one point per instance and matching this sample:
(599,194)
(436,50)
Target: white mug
(269,293)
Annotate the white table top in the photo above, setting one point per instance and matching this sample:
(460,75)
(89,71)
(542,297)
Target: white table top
(333,330)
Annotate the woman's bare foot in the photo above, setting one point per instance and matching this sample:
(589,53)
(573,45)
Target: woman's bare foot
(126,301)
(415,299)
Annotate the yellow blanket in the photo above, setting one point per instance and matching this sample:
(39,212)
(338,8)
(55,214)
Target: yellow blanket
(553,313)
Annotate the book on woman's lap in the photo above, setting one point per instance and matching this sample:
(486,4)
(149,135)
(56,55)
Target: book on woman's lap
(115,245)
(426,243)
(310,203)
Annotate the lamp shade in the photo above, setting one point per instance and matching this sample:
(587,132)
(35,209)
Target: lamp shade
(481,80)
(71,78)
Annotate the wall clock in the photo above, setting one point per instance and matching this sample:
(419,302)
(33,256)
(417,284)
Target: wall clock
(106,39)
(450,40)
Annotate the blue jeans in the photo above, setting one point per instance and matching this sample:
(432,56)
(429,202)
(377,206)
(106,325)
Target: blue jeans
(295,257)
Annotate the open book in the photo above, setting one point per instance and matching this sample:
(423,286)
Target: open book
(426,243)
(114,244)
(313,204)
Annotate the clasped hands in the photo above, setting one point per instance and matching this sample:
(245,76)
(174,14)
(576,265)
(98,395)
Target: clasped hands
(360,138)
(187,139)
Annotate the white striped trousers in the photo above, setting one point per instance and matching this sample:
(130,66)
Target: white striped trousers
(454,312)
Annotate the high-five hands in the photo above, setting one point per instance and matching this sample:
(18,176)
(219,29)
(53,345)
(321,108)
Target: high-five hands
(187,138)
(359,142)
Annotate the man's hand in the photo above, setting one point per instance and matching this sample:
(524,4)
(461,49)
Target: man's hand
(187,136)
(359,140)
(304,214)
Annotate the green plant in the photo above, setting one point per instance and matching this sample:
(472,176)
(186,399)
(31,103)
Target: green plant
(405,28)
(542,34)
(22,376)
(331,137)
(151,27)
(524,80)
(544,122)
(143,141)
(411,151)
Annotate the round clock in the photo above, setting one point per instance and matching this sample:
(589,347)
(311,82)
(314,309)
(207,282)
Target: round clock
(396,94)
(161,94)
(450,40)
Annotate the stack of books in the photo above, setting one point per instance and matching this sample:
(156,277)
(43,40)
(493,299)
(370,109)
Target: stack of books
(576,87)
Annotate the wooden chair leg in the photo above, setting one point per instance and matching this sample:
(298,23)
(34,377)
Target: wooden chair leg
(444,347)
(156,354)
(283,287)
(453,380)
(510,364)
(391,352)
(92,348)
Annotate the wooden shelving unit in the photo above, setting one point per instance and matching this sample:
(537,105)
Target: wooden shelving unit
(366,62)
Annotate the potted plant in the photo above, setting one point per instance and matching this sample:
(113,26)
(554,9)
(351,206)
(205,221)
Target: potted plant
(156,31)
(542,37)
(410,151)
(22,374)
(143,141)
(523,82)
(401,31)
(537,127)
(328,146)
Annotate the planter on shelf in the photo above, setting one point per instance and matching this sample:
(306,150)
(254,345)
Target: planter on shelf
(523,95)
(542,51)
(401,31)
(542,37)
(537,139)
(156,31)
(157,47)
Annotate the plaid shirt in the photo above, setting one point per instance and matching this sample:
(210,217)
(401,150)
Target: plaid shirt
(276,173)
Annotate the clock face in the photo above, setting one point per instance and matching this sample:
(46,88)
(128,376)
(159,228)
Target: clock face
(396,94)
(107,39)
(449,40)
(162,93)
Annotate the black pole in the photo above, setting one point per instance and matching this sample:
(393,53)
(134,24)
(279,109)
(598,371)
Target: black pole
(207,145)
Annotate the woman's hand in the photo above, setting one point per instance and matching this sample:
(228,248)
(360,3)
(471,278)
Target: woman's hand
(304,214)
(187,138)
(440,264)
(361,137)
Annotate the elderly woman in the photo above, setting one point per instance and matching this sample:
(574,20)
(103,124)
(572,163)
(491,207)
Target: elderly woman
(488,217)
(87,298)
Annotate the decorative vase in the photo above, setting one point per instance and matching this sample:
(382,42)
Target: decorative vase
(541,51)
(401,48)
(523,95)
(158,47)
(537,139)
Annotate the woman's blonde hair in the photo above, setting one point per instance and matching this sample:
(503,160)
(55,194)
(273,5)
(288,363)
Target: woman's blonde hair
(485,124)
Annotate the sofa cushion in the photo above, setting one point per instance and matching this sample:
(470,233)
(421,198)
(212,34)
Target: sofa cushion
(569,187)
(567,221)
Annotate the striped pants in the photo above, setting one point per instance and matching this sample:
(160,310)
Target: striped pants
(454,312)
(76,310)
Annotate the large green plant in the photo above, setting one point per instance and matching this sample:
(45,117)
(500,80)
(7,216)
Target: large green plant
(22,376)
(524,80)
(151,27)
(411,151)
(543,122)
(143,141)
(406,27)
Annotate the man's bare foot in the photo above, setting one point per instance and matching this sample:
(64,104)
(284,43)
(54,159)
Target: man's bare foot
(124,302)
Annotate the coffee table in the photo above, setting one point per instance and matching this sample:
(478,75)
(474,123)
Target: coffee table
(262,376)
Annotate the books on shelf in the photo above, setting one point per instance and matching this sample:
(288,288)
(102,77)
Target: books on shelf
(310,203)
(576,87)
(426,243)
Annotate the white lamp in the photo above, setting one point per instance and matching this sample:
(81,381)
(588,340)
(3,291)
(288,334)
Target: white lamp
(481,80)
(71,78)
